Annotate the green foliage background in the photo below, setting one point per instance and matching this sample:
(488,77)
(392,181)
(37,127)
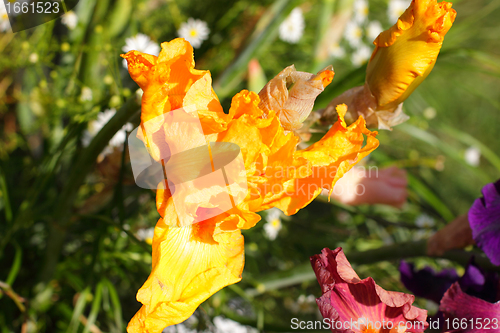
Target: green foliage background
(73,265)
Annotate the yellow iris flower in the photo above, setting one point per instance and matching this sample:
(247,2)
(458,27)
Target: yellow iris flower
(403,57)
(192,262)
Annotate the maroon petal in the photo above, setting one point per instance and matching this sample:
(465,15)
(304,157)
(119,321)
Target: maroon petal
(472,311)
(346,298)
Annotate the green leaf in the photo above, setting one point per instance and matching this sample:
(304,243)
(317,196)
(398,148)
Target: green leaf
(96,306)
(430,197)
(469,140)
(78,311)
(5,198)
(265,32)
(119,17)
(117,309)
(16,265)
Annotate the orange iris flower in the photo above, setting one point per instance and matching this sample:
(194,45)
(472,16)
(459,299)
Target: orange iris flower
(406,53)
(192,262)
(404,56)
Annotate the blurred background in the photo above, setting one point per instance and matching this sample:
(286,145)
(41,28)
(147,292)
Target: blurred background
(75,230)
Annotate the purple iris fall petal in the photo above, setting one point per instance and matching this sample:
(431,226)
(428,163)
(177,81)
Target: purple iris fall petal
(348,299)
(484,219)
(426,282)
(471,313)
(478,283)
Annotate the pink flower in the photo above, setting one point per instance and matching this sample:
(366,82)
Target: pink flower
(366,186)
(350,304)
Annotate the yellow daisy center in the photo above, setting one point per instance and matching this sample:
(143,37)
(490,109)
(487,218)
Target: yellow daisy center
(193,33)
(276,223)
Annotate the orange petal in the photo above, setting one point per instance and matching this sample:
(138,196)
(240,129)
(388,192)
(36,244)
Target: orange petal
(406,53)
(170,82)
(330,158)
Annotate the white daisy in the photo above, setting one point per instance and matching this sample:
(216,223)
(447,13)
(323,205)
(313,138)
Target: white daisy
(304,304)
(396,9)
(361,55)
(145,234)
(70,20)
(292,28)
(353,34)
(360,10)
(194,31)
(4,18)
(424,221)
(472,156)
(119,138)
(373,29)
(141,43)
(95,126)
(336,51)
(225,325)
(86,94)
(33,58)
(430,113)
(273,225)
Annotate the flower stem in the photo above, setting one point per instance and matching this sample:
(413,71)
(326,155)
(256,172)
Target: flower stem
(82,166)
(303,272)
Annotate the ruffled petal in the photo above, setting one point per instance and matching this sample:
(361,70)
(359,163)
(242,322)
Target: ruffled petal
(474,314)
(328,160)
(347,299)
(484,219)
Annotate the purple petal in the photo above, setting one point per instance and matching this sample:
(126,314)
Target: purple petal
(426,282)
(480,284)
(484,219)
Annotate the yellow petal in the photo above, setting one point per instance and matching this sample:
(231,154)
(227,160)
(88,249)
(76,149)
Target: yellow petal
(406,53)
(189,265)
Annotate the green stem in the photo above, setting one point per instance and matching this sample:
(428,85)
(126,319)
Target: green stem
(304,272)
(323,24)
(83,165)
(264,33)
(7,290)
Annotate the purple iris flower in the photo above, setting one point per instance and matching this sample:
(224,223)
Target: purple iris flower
(432,285)
(484,219)
(478,283)
(427,282)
